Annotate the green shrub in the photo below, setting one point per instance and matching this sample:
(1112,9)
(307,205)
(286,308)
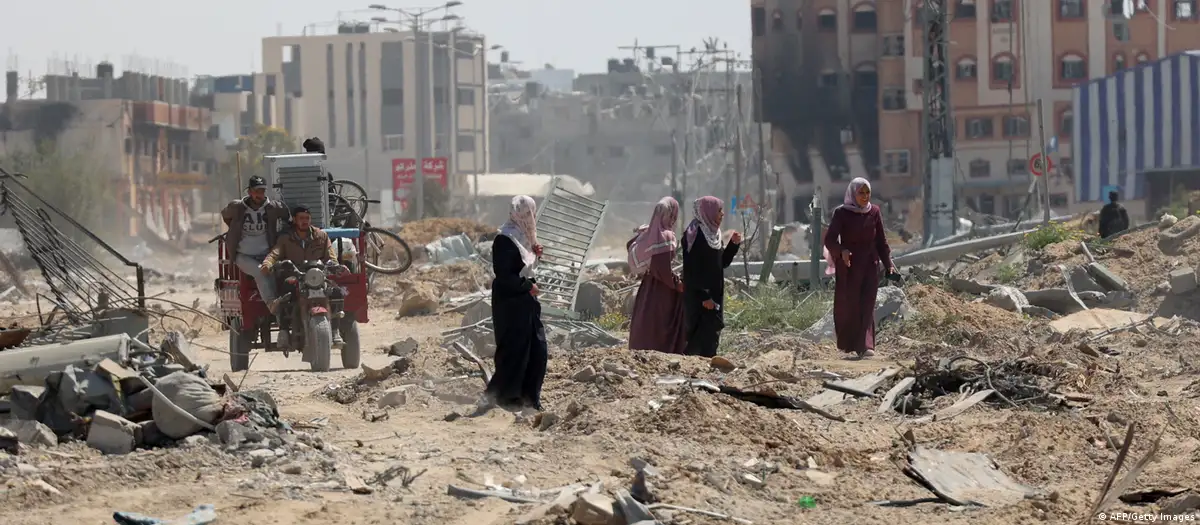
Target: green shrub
(1050,234)
(772,307)
(1007,273)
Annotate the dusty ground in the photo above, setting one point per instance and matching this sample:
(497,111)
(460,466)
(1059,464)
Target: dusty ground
(700,441)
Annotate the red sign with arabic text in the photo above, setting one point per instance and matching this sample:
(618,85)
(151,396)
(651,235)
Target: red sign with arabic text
(404,172)
(435,167)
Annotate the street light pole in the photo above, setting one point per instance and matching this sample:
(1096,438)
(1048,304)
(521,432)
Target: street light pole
(424,51)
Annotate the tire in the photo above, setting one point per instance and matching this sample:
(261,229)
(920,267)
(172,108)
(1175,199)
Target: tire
(351,349)
(239,347)
(319,342)
(406,252)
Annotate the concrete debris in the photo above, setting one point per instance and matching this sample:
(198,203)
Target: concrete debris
(403,348)
(890,304)
(418,298)
(202,515)
(590,301)
(1182,281)
(450,249)
(32,433)
(1171,240)
(111,434)
(1007,298)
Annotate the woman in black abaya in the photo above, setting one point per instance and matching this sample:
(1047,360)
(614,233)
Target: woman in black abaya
(521,352)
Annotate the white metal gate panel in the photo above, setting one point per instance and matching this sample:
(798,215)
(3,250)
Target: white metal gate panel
(567,224)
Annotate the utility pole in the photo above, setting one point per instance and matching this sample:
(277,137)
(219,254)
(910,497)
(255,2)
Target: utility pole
(424,49)
(738,163)
(1045,182)
(762,148)
(938,125)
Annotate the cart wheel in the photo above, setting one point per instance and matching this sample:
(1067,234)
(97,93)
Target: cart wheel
(386,253)
(351,351)
(319,341)
(239,346)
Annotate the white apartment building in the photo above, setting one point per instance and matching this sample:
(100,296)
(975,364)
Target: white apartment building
(360,91)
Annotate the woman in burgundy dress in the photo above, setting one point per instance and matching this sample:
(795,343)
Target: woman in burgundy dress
(657,319)
(857,245)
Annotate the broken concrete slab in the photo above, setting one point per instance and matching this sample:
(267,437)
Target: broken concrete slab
(111,434)
(1096,320)
(965,479)
(1082,281)
(403,348)
(969,286)
(868,383)
(32,433)
(1171,240)
(1057,300)
(1182,280)
(1106,278)
(890,303)
(593,509)
(32,364)
(1007,298)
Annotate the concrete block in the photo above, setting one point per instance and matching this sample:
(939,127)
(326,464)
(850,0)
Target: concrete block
(593,509)
(111,434)
(1106,278)
(1183,280)
(32,433)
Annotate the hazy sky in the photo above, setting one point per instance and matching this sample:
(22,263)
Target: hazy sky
(224,36)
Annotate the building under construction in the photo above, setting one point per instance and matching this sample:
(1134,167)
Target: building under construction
(138,130)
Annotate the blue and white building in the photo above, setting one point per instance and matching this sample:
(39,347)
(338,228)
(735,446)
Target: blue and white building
(1139,131)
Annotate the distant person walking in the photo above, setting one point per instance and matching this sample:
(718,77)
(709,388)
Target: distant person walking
(657,319)
(1113,217)
(521,352)
(857,244)
(704,263)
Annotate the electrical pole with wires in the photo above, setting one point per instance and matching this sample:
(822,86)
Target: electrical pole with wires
(937,125)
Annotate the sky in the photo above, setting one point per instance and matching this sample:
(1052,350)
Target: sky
(218,37)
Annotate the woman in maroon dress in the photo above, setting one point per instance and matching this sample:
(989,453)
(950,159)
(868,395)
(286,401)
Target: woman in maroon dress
(857,245)
(657,319)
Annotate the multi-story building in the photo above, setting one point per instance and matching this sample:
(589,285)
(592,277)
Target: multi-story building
(237,109)
(1005,55)
(139,130)
(360,91)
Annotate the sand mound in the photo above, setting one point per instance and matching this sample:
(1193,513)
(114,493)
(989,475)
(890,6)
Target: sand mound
(425,231)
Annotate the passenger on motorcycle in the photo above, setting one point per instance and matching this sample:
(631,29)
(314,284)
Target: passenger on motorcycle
(302,243)
(254,223)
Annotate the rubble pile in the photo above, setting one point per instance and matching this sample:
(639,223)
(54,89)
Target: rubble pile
(425,231)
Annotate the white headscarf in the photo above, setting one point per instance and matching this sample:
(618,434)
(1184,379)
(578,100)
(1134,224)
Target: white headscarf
(521,227)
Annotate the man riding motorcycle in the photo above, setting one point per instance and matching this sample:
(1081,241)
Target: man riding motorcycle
(302,243)
(254,223)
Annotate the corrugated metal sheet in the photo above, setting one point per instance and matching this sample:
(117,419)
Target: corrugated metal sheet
(1141,119)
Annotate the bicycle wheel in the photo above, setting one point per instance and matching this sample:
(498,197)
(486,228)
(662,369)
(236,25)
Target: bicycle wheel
(346,199)
(342,213)
(386,253)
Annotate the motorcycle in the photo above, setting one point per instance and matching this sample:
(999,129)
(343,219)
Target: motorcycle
(314,304)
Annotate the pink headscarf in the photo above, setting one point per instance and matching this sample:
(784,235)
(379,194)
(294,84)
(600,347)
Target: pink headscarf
(521,227)
(656,237)
(707,221)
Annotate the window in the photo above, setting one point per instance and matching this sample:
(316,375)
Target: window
(393,143)
(664,151)
(1003,69)
(465,143)
(439,95)
(1121,31)
(1018,167)
(864,18)
(827,20)
(1016,127)
(896,162)
(979,128)
(893,46)
(987,204)
(1142,57)
(758,21)
(616,152)
(1002,11)
(1073,68)
(1118,62)
(980,168)
(1070,9)
(828,79)
(1185,9)
(894,99)
(1065,124)
(964,10)
(966,70)
(777,20)
(465,96)
(1058,200)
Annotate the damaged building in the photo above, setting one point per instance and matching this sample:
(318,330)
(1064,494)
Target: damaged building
(842,85)
(138,129)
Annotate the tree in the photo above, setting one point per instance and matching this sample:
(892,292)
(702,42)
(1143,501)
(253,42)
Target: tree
(69,182)
(265,140)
